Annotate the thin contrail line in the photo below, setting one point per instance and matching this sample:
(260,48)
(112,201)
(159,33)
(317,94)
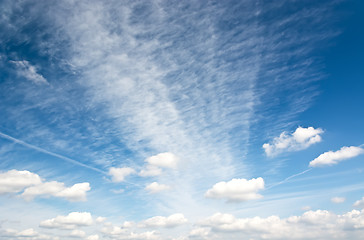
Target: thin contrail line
(288,178)
(70,160)
(18,141)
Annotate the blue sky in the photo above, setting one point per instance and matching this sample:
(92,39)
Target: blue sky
(181,120)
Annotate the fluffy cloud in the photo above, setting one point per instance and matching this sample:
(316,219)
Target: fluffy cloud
(75,193)
(156,187)
(318,224)
(29,234)
(338,199)
(119,174)
(77,233)
(15,181)
(25,69)
(173,220)
(331,158)
(237,189)
(301,138)
(93,237)
(71,221)
(165,160)
(150,171)
(359,203)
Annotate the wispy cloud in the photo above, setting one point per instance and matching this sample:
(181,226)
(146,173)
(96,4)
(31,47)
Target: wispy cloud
(28,71)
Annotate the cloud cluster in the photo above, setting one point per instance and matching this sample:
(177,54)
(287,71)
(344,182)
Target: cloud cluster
(332,158)
(320,224)
(173,220)
(28,71)
(32,185)
(71,221)
(300,139)
(237,189)
(29,234)
(338,199)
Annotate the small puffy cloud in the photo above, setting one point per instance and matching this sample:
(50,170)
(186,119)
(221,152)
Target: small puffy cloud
(164,160)
(300,139)
(100,219)
(173,220)
(306,208)
(15,181)
(93,237)
(25,69)
(57,189)
(237,189)
(199,233)
(359,203)
(156,187)
(338,199)
(71,221)
(77,233)
(150,171)
(331,158)
(119,174)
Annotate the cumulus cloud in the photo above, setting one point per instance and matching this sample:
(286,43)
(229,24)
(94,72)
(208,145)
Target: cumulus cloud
(338,199)
(93,237)
(77,233)
(300,139)
(150,171)
(359,203)
(71,221)
(57,189)
(173,220)
(156,187)
(237,189)
(28,71)
(29,234)
(320,224)
(15,181)
(164,160)
(331,158)
(119,174)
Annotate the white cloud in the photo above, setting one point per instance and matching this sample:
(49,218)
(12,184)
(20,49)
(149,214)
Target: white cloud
(320,224)
(237,189)
(71,221)
(302,138)
(119,174)
(57,189)
(156,187)
(150,171)
(25,69)
(15,181)
(93,237)
(77,233)
(100,219)
(331,158)
(359,203)
(173,220)
(338,199)
(165,160)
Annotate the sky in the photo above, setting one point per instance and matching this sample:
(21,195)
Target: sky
(181,120)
